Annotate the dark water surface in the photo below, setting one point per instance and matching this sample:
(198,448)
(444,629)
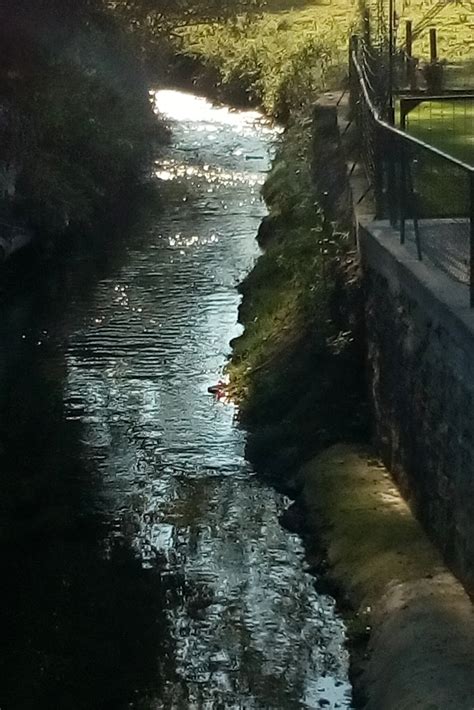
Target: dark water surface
(143,565)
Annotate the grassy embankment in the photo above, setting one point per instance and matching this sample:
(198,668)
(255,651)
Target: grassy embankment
(296,368)
(295,48)
(281,56)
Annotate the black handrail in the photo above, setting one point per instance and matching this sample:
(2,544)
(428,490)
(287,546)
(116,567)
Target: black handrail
(401,134)
(393,164)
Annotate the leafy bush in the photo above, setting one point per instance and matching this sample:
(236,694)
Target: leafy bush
(282,57)
(79,117)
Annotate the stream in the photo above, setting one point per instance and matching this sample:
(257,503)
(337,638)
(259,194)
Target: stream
(143,562)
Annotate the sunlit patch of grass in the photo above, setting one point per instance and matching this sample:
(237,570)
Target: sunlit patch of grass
(375,540)
(279,291)
(448,125)
(293,385)
(442,188)
(283,56)
(295,49)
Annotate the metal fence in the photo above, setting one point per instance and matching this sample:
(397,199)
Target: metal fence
(425,193)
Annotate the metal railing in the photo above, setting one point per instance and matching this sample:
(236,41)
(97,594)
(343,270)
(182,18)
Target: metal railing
(425,193)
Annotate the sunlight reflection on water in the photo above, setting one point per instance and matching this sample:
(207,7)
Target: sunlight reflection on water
(250,630)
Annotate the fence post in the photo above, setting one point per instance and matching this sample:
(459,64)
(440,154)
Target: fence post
(433,46)
(403,114)
(409,38)
(391,50)
(380,186)
(471,239)
(389,153)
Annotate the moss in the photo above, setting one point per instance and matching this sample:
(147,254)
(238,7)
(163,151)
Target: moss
(372,539)
(296,369)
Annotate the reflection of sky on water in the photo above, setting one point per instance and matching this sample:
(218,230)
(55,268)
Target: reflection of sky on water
(250,630)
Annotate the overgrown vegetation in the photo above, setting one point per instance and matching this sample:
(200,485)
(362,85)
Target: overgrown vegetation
(289,51)
(296,368)
(77,125)
(281,57)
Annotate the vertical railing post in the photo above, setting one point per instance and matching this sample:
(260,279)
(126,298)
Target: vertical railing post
(403,191)
(409,43)
(353,79)
(390,155)
(471,239)
(410,61)
(403,114)
(380,183)
(391,50)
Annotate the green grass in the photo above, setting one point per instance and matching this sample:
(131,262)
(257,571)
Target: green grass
(286,289)
(281,57)
(295,370)
(293,50)
(448,125)
(443,188)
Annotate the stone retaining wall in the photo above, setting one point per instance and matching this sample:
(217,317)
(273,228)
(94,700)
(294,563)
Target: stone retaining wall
(420,340)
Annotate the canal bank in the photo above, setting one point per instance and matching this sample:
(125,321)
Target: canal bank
(411,622)
(144,565)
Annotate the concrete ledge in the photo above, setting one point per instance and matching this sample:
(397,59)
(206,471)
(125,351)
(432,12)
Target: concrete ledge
(421,648)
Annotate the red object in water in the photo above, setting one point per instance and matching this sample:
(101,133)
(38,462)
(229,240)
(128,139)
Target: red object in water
(218,390)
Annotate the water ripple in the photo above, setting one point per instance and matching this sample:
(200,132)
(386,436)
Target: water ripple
(249,628)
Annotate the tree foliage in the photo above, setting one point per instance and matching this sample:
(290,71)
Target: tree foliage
(161,16)
(75,120)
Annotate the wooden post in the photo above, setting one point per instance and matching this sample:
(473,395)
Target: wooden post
(410,60)
(433,46)
(409,38)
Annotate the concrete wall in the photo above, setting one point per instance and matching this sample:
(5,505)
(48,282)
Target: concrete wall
(420,336)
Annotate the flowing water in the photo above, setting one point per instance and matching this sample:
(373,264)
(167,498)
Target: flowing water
(144,565)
